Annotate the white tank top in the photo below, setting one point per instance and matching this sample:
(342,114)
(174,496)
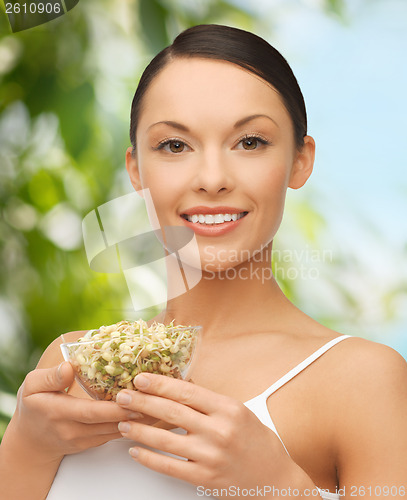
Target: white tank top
(108,471)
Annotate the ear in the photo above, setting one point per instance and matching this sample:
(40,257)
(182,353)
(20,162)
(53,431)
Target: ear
(132,169)
(303,164)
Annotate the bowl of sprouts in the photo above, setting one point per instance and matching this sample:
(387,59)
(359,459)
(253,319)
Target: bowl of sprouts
(108,359)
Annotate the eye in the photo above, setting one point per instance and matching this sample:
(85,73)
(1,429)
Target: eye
(250,143)
(176,146)
(172,146)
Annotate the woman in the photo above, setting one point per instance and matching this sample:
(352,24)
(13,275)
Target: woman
(218,128)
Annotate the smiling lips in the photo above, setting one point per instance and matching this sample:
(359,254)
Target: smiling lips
(213,221)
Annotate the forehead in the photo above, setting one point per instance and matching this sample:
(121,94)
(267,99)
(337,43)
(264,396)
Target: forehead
(206,90)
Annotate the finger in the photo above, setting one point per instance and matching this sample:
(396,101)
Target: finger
(161,424)
(52,379)
(62,406)
(89,411)
(194,396)
(102,439)
(105,429)
(168,410)
(164,464)
(105,411)
(86,442)
(160,439)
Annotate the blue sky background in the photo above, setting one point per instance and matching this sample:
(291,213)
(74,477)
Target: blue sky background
(354,78)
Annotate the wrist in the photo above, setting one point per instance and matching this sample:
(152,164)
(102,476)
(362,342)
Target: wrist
(16,445)
(25,470)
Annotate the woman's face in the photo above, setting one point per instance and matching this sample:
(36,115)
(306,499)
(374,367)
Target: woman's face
(216,141)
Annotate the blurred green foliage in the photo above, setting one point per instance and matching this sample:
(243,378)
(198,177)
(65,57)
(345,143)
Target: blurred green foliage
(63,137)
(66,89)
(22,16)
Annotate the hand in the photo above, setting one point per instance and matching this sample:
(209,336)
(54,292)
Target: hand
(226,444)
(51,423)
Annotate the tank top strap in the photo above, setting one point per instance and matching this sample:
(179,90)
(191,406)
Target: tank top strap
(301,366)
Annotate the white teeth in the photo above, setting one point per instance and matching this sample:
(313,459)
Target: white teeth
(214,219)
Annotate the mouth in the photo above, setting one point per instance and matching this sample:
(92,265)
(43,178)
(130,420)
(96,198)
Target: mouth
(213,219)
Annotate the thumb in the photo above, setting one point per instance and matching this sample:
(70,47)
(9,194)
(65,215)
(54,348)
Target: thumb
(52,379)
(64,376)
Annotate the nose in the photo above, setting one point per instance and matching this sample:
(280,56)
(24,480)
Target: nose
(213,174)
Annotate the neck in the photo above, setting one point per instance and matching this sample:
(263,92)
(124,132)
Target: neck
(230,302)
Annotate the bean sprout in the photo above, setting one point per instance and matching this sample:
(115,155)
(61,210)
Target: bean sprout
(108,359)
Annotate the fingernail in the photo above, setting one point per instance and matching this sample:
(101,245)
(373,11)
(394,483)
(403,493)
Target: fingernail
(133,452)
(123,398)
(124,427)
(141,382)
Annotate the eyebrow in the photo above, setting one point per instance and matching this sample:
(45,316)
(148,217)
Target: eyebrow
(238,124)
(243,121)
(177,125)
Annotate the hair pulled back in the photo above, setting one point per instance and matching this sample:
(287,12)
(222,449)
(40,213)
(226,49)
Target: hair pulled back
(213,41)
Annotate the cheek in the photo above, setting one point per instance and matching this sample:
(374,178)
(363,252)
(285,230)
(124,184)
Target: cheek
(164,192)
(271,191)
(270,185)
(161,174)
(274,193)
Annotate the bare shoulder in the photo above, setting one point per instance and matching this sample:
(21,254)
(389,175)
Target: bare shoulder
(356,376)
(372,366)
(368,372)
(52,356)
(371,408)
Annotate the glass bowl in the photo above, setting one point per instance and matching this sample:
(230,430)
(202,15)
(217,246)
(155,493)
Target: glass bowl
(107,360)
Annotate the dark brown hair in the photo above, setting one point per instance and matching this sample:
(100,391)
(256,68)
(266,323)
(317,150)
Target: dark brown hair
(212,41)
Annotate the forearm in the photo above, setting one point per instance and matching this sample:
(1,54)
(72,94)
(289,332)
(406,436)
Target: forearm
(24,472)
